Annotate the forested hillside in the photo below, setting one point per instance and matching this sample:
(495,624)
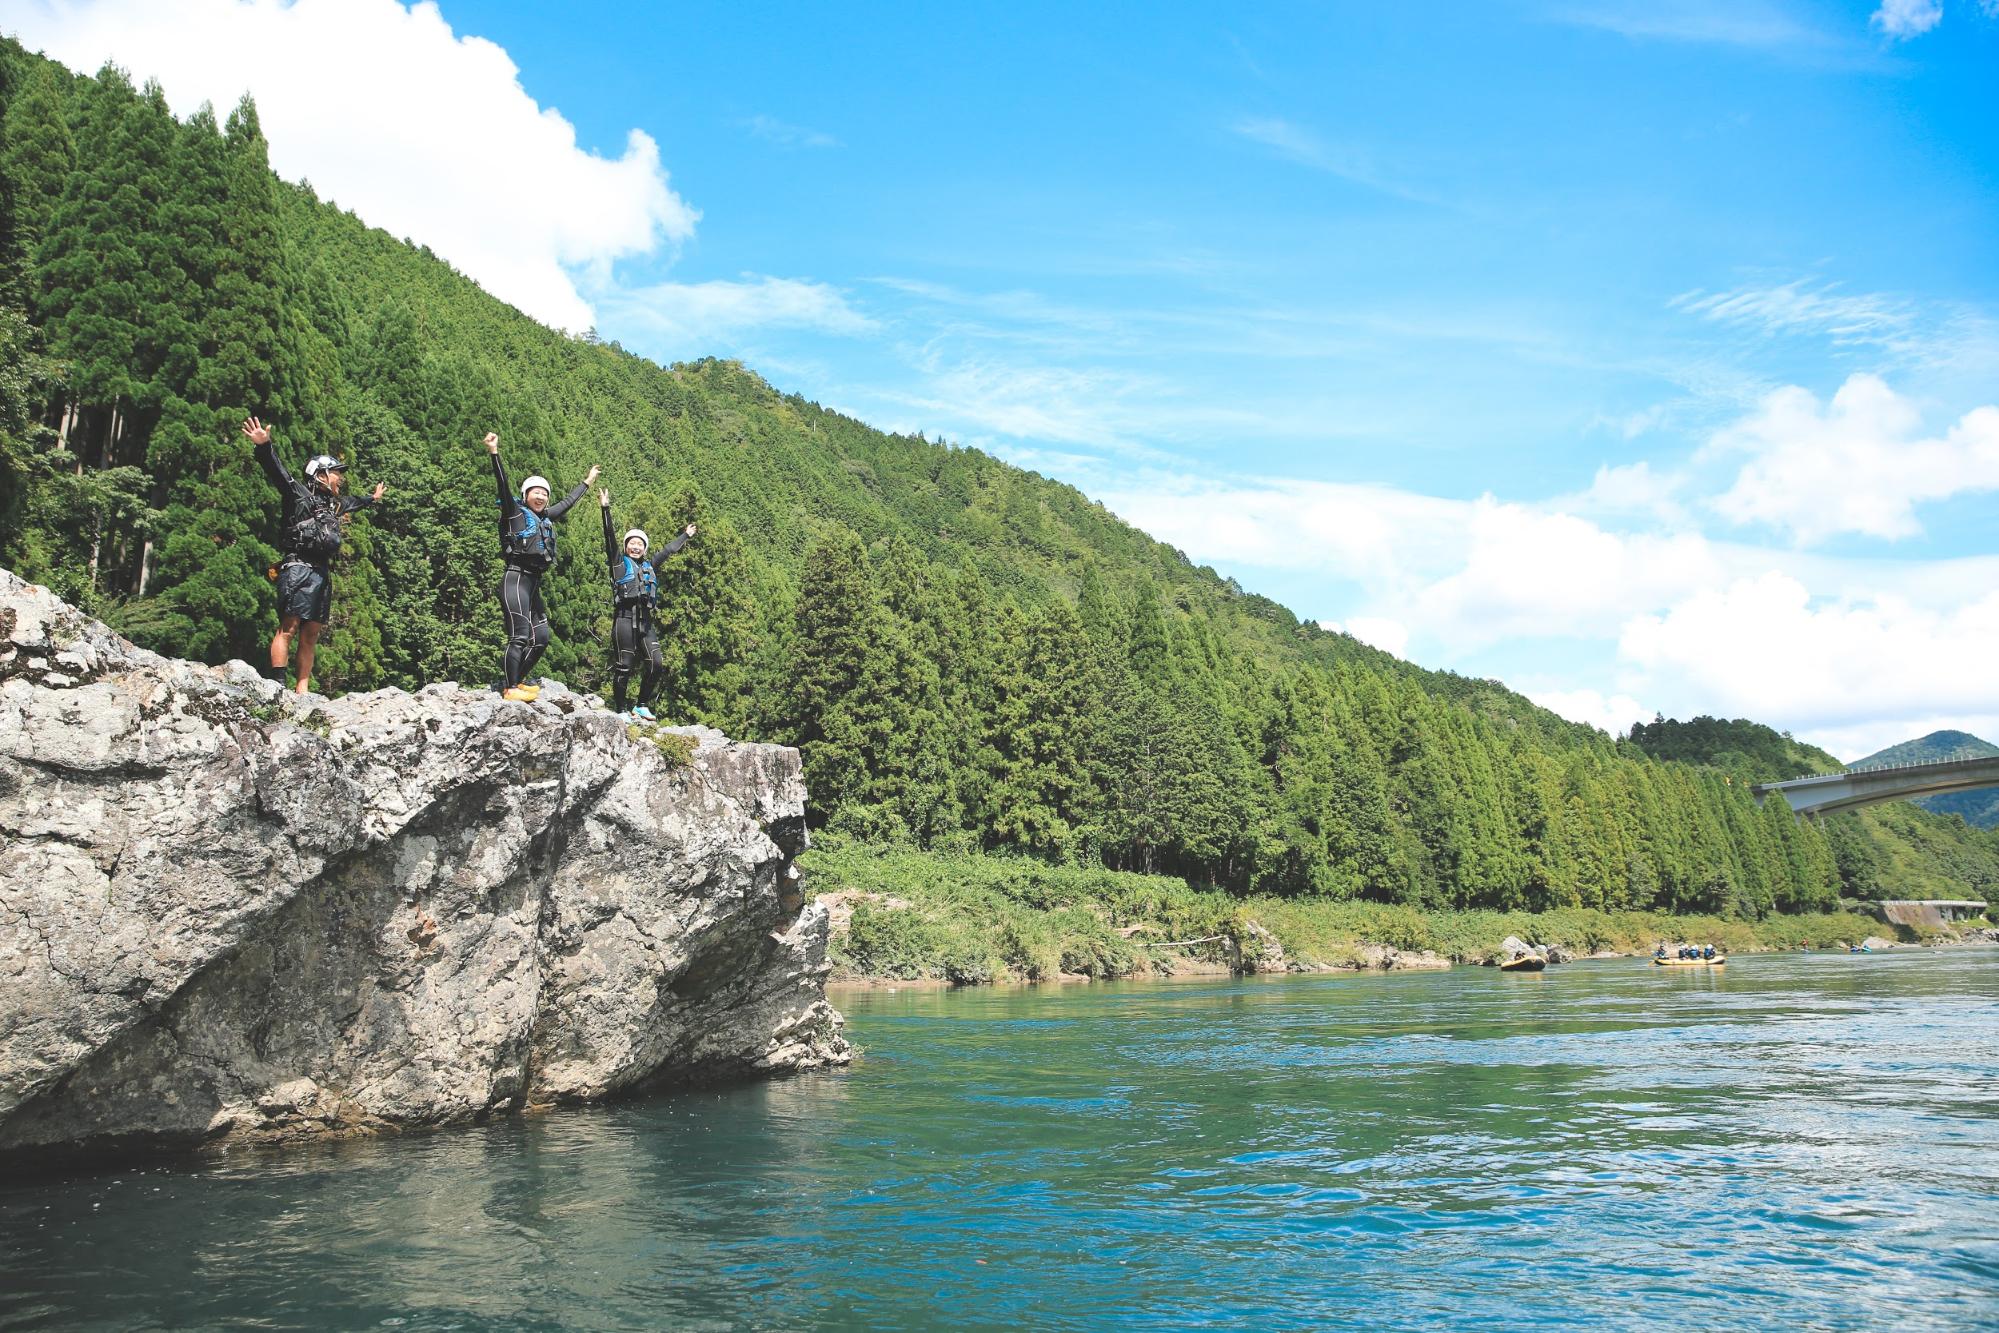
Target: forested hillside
(971,656)
(1748,750)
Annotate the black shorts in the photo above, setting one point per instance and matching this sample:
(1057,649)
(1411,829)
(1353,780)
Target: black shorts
(304,590)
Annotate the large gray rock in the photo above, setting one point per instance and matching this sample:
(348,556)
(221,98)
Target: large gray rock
(226,914)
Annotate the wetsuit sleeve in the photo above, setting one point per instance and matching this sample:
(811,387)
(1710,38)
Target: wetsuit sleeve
(507,502)
(267,455)
(672,546)
(558,510)
(290,493)
(350,503)
(611,552)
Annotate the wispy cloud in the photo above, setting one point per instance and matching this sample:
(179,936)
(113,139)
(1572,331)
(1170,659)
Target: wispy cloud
(1295,143)
(1938,335)
(1768,28)
(1903,19)
(691,316)
(786,135)
(1872,318)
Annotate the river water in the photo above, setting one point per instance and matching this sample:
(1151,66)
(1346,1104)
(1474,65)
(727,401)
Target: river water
(1805,1140)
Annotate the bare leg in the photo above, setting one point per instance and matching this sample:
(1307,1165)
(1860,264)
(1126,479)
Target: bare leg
(281,642)
(308,644)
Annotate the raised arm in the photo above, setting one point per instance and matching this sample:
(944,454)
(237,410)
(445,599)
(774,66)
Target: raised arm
(507,502)
(582,489)
(611,549)
(350,503)
(267,455)
(674,545)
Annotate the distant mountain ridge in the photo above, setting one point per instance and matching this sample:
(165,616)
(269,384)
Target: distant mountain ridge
(1935,748)
(1980,809)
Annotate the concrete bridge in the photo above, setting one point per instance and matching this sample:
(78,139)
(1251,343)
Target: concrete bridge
(1828,792)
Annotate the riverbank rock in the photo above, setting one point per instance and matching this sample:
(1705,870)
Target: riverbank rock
(1253,950)
(232,915)
(1513,946)
(1387,958)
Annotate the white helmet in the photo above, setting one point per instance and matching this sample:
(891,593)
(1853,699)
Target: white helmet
(640,533)
(533,482)
(324,463)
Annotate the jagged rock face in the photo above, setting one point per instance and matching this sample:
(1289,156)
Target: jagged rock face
(225,915)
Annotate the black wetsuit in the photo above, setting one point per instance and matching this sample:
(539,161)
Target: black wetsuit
(634,644)
(309,533)
(527,543)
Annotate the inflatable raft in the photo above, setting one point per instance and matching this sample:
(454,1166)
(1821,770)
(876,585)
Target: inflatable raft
(1688,962)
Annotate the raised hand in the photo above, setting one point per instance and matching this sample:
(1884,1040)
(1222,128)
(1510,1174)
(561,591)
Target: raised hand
(591,480)
(257,432)
(380,486)
(492,443)
(690,529)
(603,499)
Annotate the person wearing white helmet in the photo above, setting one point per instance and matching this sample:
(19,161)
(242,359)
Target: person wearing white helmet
(309,531)
(527,544)
(634,592)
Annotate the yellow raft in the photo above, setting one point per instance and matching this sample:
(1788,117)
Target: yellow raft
(1688,962)
(1524,963)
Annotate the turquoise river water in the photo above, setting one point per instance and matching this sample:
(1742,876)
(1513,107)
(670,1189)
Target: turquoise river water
(1803,1141)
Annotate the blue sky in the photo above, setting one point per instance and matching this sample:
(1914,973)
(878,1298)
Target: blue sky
(1632,353)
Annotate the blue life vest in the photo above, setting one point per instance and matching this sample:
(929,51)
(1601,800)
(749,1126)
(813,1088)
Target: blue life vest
(636,583)
(530,539)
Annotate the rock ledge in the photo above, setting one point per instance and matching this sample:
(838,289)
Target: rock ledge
(229,916)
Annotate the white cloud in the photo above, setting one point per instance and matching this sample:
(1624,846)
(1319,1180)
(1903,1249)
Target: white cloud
(1391,636)
(1377,535)
(1856,465)
(386,110)
(1607,625)
(691,316)
(1613,713)
(1529,573)
(1630,489)
(1765,648)
(1903,19)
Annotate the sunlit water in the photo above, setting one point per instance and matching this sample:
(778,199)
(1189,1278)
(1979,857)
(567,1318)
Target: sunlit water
(1802,1141)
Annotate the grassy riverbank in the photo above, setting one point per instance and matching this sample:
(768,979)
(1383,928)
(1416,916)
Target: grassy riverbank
(912,915)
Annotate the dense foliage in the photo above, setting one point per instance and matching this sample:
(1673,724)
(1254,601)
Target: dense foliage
(1749,750)
(971,657)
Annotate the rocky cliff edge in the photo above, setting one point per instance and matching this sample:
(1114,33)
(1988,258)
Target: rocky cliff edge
(228,916)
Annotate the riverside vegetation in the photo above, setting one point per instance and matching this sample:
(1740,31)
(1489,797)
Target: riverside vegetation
(966,919)
(974,660)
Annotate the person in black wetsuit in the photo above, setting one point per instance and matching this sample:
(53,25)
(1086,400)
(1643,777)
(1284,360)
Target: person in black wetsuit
(309,532)
(634,592)
(527,544)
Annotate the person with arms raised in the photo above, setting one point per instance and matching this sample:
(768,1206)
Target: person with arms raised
(309,531)
(634,592)
(527,544)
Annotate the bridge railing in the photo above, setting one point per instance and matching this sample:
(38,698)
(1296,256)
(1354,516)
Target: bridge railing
(1927,766)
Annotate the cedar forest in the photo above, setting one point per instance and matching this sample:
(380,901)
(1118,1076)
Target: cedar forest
(970,656)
